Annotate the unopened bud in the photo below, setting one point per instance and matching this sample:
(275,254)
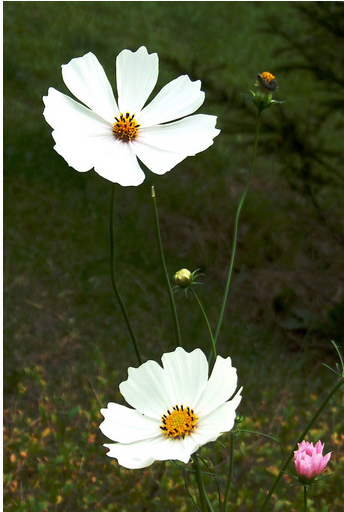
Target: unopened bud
(183,278)
(266,85)
(266,82)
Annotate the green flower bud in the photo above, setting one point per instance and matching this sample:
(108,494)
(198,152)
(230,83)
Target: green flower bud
(183,278)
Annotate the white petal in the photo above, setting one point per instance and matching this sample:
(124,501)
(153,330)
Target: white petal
(142,453)
(86,79)
(137,74)
(85,140)
(219,421)
(220,386)
(127,425)
(158,161)
(174,449)
(188,374)
(148,389)
(65,114)
(201,438)
(162,147)
(117,163)
(132,456)
(77,152)
(189,135)
(177,99)
(182,449)
(75,128)
(111,159)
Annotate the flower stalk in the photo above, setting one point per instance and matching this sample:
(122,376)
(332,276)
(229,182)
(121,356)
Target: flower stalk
(230,472)
(236,222)
(207,322)
(305,508)
(205,503)
(113,274)
(162,258)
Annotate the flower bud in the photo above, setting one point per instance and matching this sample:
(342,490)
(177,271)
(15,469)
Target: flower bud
(266,84)
(309,461)
(183,278)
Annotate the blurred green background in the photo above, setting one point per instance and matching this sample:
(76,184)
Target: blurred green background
(66,347)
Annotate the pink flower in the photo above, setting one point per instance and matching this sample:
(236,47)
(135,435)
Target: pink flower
(309,461)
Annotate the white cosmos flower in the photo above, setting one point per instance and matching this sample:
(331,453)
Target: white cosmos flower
(177,409)
(110,136)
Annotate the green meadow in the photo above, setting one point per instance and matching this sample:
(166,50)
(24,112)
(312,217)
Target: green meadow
(66,345)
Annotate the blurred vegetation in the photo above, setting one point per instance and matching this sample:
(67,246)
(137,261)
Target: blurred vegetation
(66,347)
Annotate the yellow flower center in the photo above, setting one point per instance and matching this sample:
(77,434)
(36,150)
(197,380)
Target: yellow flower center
(178,423)
(267,81)
(126,128)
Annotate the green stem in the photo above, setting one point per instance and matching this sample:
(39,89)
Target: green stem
(113,275)
(300,439)
(230,473)
(305,498)
(162,258)
(207,322)
(205,503)
(236,228)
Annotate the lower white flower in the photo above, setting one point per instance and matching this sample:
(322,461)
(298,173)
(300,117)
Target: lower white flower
(177,409)
(109,136)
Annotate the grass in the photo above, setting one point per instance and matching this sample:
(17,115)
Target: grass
(66,347)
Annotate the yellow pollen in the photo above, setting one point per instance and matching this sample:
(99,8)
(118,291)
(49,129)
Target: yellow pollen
(178,423)
(267,82)
(125,128)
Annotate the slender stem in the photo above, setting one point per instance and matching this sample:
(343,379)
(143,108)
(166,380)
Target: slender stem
(205,503)
(305,498)
(207,322)
(236,228)
(230,473)
(300,439)
(169,288)
(113,274)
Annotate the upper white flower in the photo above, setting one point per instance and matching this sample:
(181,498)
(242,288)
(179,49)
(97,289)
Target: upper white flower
(108,136)
(177,409)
